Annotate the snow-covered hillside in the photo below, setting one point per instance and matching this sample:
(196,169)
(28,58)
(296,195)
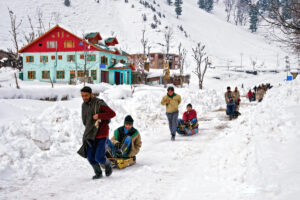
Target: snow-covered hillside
(226,43)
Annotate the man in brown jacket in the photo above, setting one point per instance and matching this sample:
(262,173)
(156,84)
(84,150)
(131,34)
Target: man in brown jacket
(126,142)
(236,98)
(171,101)
(260,94)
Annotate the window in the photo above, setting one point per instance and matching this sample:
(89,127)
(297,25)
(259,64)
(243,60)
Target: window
(60,74)
(67,35)
(62,34)
(69,44)
(94,74)
(53,36)
(81,56)
(57,34)
(40,44)
(59,57)
(113,61)
(72,74)
(160,56)
(43,59)
(104,60)
(71,58)
(31,74)
(52,57)
(45,74)
(51,44)
(122,61)
(29,59)
(91,57)
(81,74)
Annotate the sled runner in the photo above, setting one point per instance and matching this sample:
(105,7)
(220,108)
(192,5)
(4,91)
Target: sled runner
(121,163)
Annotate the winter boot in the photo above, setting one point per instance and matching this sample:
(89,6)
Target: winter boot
(97,170)
(173,138)
(108,168)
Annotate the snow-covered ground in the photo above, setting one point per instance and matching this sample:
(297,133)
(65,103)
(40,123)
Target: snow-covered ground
(253,157)
(226,44)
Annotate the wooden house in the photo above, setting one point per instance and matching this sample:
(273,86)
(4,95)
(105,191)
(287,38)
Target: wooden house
(62,56)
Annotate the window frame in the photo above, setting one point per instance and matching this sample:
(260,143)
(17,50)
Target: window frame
(67,44)
(44,73)
(60,74)
(50,44)
(104,60)
(29,60)
(94,74)
(91,57)
(31,75)
(69,58)
(42,60)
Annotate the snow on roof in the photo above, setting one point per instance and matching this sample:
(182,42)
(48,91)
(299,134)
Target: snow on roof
(119,65)
(91,35)
(3,59)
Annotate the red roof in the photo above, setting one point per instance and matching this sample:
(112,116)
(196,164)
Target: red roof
(60,35)
(111,41)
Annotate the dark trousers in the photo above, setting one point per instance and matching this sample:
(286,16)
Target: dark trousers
(96,153)
(230,109)
(172,118)
(125,147)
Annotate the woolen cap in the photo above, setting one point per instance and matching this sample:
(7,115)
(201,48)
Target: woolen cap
(128,120)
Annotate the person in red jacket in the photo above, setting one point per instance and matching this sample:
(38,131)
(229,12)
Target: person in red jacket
(251,96)
(96,115)
(189,118)
(189,114)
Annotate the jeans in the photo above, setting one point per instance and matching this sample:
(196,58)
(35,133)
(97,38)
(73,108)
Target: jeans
(125,147)
(172,118)
(96,153)
(181,122)
(230,109)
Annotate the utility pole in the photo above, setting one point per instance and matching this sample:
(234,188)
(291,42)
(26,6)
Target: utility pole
(287,65)
(241,60)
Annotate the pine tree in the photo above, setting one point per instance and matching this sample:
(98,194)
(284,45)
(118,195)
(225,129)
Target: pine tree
(253,14)
(67,3)
(178,8)
(201,4)
(286,9)
(263,5)
(169,2)
(209,5)
(206,5)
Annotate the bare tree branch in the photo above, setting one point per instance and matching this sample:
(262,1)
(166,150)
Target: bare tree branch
(199,54)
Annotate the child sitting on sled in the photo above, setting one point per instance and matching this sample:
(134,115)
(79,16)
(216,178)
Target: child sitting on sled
(126,142)
(189,123)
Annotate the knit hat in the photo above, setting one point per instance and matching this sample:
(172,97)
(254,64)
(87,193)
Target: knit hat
(86,89)
(128,120)
(189,105)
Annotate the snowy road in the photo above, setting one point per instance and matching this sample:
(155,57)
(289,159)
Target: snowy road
(251,158)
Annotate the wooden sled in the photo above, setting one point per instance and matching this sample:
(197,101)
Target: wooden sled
(121,163)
